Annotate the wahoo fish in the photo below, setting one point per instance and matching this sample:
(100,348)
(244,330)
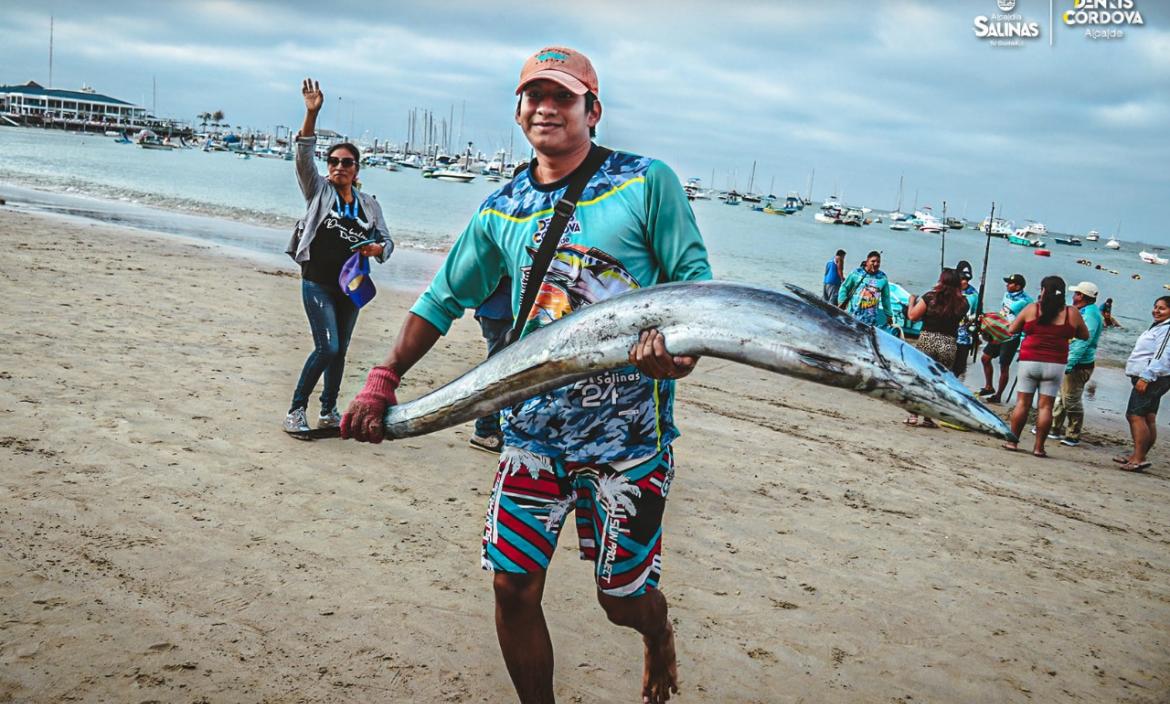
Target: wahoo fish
(791,332)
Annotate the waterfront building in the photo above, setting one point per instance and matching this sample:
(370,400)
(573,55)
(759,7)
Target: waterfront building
(33,105)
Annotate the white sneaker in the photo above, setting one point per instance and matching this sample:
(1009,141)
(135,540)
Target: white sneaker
(295,421)
(332,419)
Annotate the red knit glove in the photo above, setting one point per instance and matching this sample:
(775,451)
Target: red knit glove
(363,420)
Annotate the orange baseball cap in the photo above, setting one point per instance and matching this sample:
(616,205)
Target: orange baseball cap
(560,65)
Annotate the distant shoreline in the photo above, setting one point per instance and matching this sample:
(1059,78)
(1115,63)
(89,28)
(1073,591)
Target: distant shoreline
(410,269)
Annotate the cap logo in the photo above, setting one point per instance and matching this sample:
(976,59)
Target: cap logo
(552,56)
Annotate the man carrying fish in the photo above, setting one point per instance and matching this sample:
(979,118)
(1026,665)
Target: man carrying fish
(600,447)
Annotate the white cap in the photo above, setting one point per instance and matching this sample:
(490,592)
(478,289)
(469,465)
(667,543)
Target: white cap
(1086,288)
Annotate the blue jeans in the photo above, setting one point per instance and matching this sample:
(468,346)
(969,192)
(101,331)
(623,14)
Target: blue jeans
(830,293)
(331,317)
(493,332)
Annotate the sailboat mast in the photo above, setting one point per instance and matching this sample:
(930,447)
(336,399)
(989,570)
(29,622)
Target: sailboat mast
(900,179)
(976,338)
(810,183)
(942,257)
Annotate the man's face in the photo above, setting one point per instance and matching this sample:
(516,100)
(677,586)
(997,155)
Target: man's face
(1013,287)
(873,264)
(553,118)
(1078,299)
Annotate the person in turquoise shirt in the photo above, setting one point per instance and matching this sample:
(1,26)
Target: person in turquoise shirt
(1068,414)
(866,291)
(1015,299)
(601,447)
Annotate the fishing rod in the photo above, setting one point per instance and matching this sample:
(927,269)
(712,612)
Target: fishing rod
(975,338)
(942,258)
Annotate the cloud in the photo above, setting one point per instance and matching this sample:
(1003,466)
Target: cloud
(913,28)
(1132,114)
(1154,46)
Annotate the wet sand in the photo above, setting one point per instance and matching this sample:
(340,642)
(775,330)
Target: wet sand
(162,540)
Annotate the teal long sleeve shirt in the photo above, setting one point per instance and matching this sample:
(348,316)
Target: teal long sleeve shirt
(1085,351)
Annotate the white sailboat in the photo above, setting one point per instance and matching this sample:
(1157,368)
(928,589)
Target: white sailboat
(898,215)
(1113,242)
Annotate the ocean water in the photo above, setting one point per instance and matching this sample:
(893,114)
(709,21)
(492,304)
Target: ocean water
(253,204)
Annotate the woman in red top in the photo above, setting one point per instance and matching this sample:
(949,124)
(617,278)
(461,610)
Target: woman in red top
(1048,325)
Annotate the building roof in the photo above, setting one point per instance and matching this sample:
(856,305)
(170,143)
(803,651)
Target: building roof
(33,88)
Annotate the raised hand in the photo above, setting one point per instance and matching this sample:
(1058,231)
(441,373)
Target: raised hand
(314,98)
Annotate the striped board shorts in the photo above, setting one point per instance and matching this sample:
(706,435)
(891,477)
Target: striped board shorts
(618,508)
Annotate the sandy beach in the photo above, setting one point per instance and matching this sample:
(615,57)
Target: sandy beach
(161,540)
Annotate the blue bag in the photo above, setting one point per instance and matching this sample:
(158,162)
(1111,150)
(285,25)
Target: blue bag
(355,280)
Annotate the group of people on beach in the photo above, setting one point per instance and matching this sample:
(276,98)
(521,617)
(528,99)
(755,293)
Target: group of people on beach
(576,225)
(1056,343)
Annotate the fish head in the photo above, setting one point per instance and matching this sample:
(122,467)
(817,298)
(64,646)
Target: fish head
(922,385)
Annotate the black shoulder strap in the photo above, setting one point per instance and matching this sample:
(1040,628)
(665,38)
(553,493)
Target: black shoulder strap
(561,214)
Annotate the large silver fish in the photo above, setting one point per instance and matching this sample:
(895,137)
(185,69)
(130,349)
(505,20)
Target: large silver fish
(793,333)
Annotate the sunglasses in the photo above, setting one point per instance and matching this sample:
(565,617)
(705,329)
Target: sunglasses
(344,162)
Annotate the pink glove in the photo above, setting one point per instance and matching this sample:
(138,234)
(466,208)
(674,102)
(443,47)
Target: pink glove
(363,420)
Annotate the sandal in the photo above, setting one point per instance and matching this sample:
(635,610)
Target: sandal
(1041,454)
(911,421)
(1010,447)
(488,443)
(927,423)
(1135,467)
(1122,459)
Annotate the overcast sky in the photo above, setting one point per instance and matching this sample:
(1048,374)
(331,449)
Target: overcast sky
(1074,134)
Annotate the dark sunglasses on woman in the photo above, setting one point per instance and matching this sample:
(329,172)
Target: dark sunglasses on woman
(345,162)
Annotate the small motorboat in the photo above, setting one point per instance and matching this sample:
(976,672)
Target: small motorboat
(1152,258)
(1093,236)
(899,225)
(453,175)
(1042,253)
(1024,241)
(1072,241)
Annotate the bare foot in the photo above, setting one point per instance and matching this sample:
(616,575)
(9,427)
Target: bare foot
(660,674)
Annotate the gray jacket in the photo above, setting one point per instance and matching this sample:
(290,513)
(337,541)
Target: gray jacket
(321,198)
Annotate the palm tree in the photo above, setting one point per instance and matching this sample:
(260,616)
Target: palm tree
(217,118)
(204,117)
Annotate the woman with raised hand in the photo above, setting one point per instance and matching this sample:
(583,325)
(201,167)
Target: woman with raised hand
(1048,325)
(339,221)
(1148,369)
